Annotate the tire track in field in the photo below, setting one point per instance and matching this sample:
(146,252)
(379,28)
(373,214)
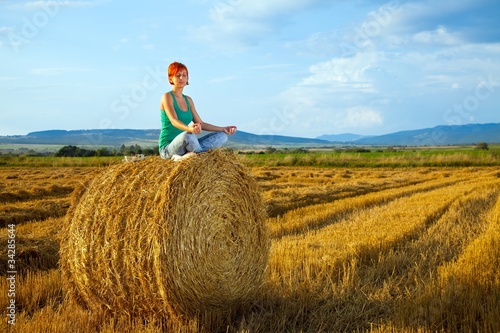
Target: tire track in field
(443,236)
(354,264)
(33,210)
(321,254)
(362,237)
(276,209)
(405,270)
(316,217)
(291,189)
(37,193)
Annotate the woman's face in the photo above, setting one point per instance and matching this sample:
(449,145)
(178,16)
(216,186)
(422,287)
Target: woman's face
(180,78)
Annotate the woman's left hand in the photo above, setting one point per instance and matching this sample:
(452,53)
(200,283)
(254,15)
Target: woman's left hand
(229,130)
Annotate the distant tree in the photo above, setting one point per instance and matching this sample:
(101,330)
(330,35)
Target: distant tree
(82,152)
(150,151)
(132,150)
(67,151)
(482,146)
(104,152)
(270,150)
(298,151)
(31,152)
(74,151)
(128,151)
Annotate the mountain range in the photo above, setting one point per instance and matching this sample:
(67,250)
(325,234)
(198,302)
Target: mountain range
(436,136)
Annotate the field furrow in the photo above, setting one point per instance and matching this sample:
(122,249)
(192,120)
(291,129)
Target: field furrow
(41,209)
(364,268)
(368,230)
(318,216)
(28,184)
(287,190)
(465,291)
(404,272)
(54,191)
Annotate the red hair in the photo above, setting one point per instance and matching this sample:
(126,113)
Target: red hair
(175,68)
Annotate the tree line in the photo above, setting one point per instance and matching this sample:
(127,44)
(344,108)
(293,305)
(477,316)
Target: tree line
(74,151)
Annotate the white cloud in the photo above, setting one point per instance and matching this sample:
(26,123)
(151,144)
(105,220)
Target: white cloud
(317,44)
(413,15)
(230,11)
(405,86)
(123,41)
(344,73)
(424,21)
(439,36)
(235,24)
(396,24)
(361,117)
(148,46)
(352,38)
(6,30)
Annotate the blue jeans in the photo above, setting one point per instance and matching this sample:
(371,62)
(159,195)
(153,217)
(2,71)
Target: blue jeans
(188,142)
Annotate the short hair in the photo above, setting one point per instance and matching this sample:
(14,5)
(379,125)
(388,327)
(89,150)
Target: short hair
(175,68)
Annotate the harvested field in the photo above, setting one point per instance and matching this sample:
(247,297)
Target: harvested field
(365,250)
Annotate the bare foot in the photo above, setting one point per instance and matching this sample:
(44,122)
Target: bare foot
(177,158)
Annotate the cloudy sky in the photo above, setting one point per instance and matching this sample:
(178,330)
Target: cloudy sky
(286,67)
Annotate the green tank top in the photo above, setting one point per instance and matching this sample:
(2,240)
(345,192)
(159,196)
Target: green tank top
(168,131)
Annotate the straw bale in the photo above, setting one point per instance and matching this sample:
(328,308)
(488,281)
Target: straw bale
(166,238)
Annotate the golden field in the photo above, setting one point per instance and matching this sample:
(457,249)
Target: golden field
(407,249)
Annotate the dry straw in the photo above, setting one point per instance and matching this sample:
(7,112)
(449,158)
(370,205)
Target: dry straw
(165,238)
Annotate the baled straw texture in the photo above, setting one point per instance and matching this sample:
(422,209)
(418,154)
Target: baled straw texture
(165,238)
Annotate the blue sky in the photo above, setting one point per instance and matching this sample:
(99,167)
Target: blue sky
(285,67)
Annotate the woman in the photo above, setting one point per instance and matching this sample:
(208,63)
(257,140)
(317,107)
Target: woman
(180,121)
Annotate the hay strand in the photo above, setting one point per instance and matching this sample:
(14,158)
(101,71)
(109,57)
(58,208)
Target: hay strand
(166,238)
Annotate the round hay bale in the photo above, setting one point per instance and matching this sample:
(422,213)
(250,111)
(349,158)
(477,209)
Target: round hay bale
(158,237)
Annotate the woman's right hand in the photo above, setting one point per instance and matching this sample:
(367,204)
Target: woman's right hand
(195,128)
